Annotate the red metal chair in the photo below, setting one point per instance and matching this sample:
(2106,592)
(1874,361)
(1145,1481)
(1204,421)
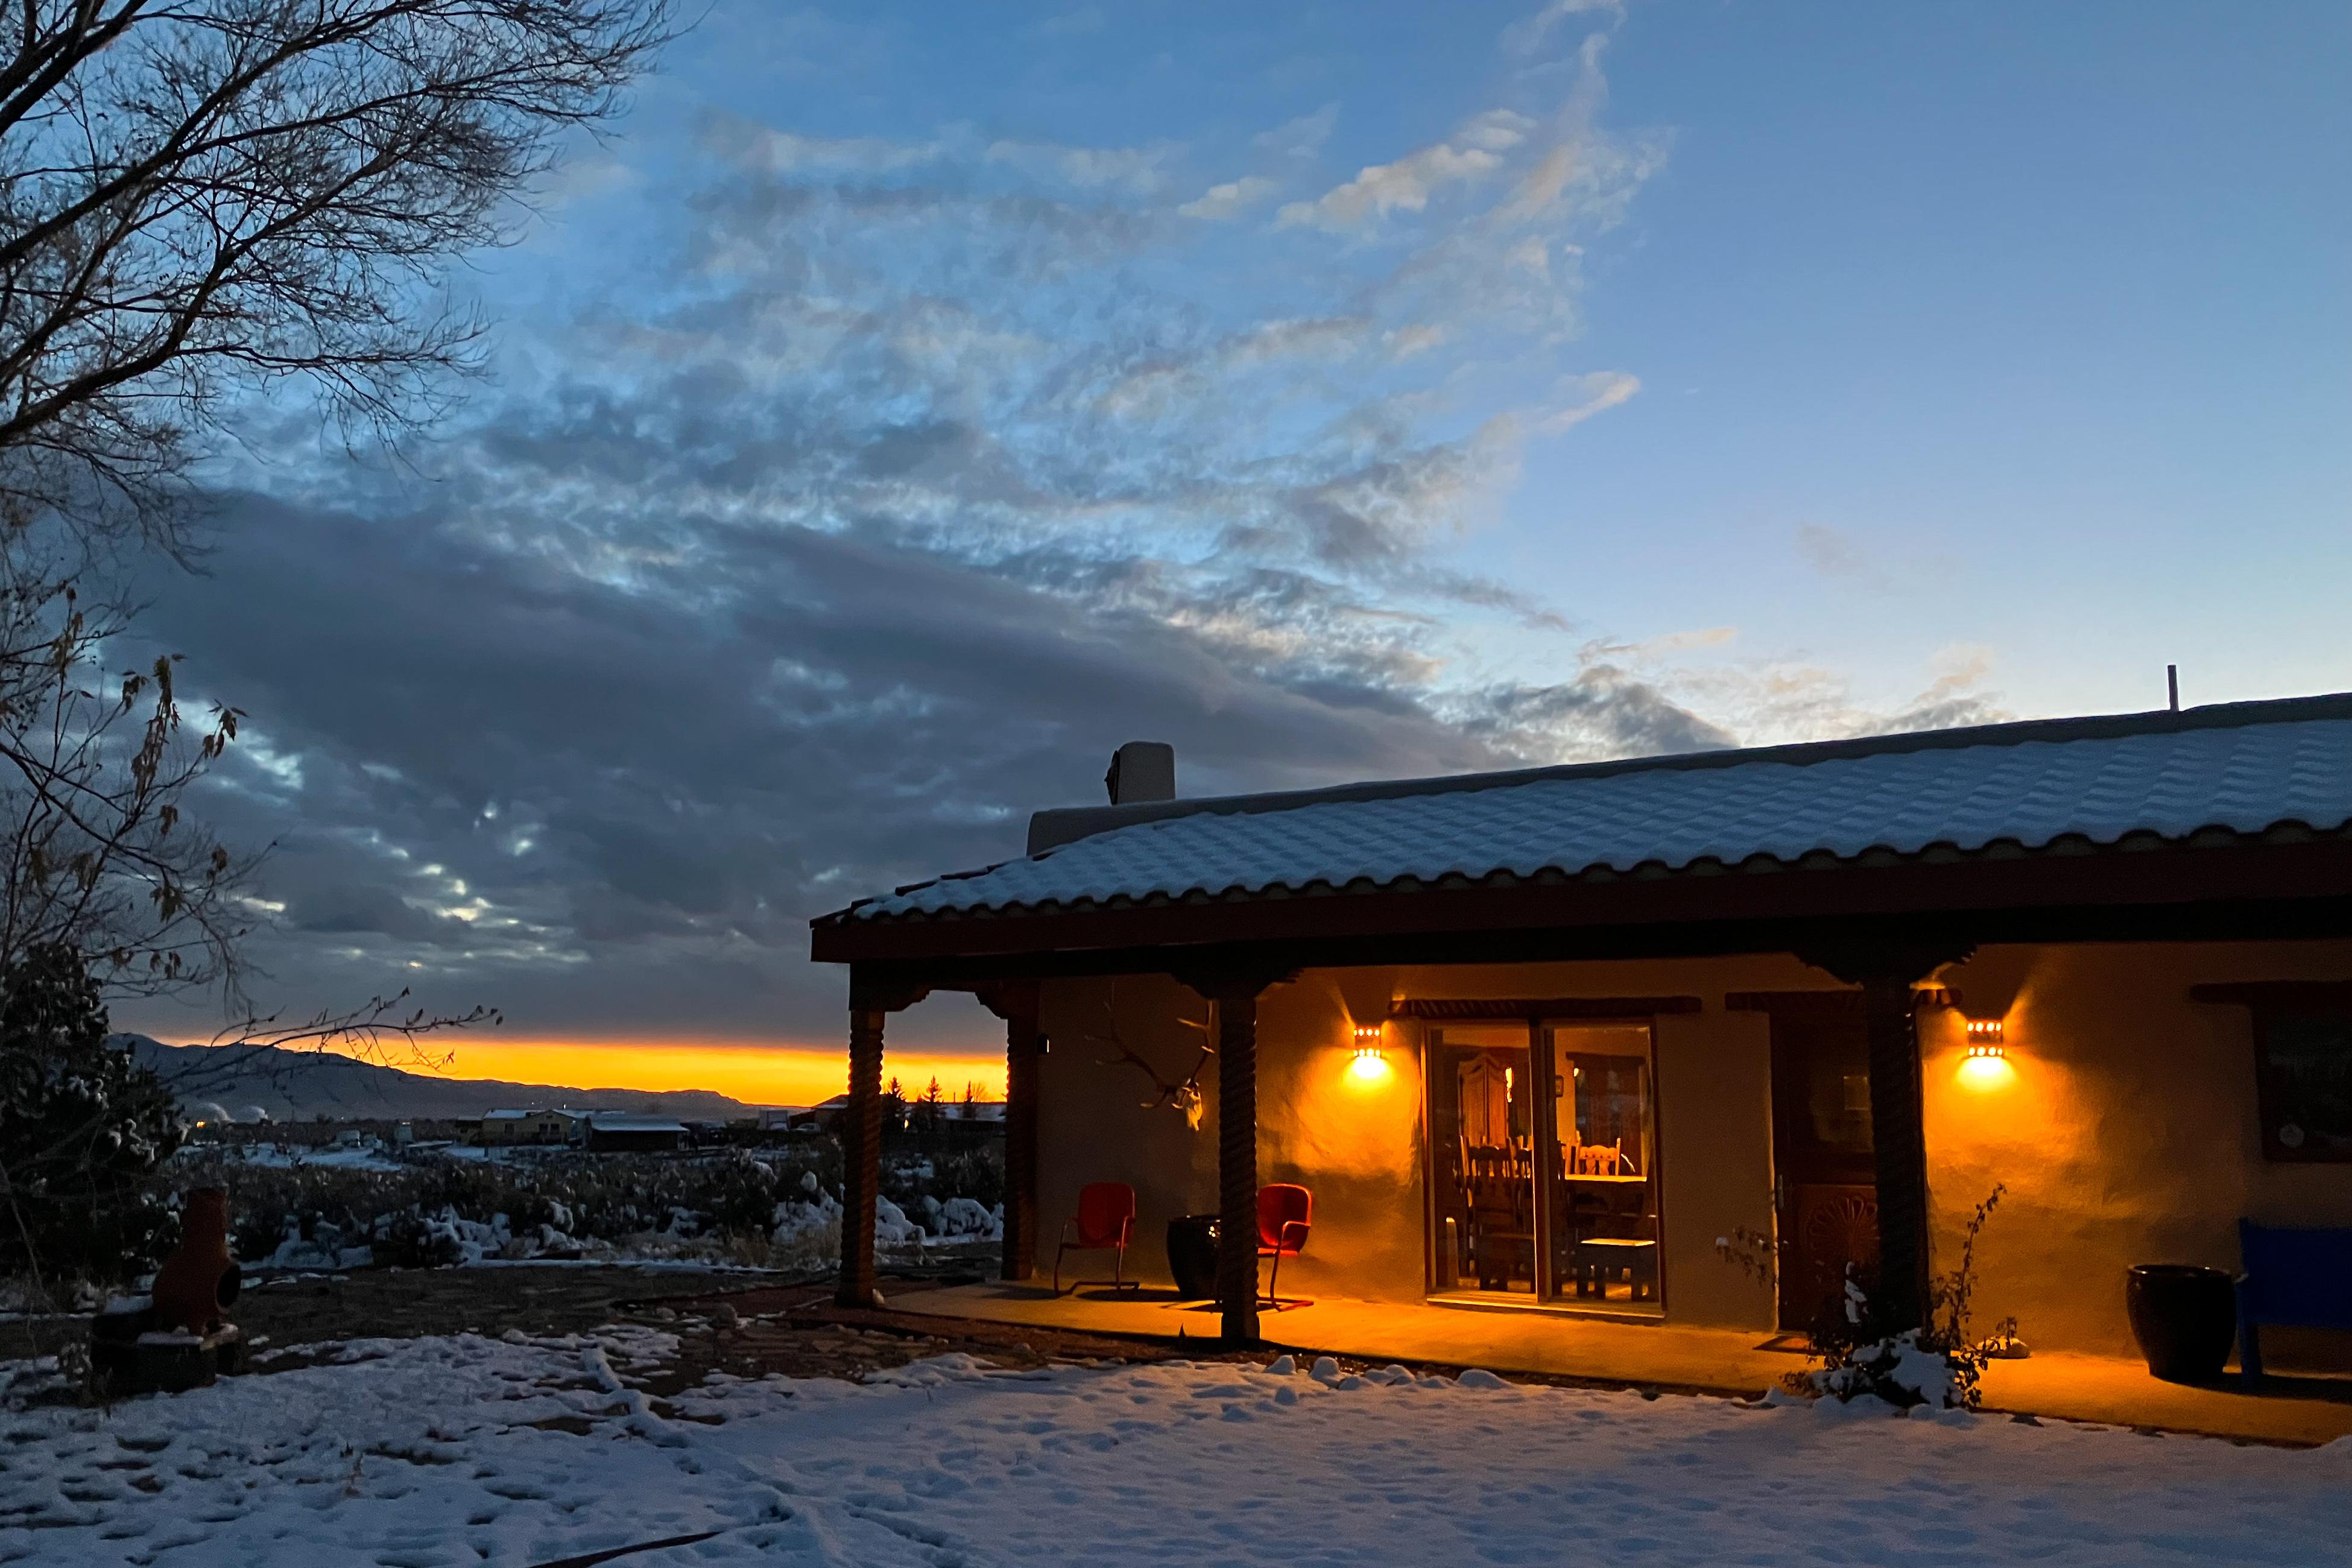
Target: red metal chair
(1104,1221)
(1285,1214)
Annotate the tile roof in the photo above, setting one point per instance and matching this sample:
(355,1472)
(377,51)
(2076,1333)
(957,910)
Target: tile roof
(2246,768)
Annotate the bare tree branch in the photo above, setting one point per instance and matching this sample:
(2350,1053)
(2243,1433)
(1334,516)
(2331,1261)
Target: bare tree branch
(199,201)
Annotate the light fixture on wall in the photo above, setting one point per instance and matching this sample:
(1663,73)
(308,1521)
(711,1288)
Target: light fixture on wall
(1372,1063)
(1986,1066)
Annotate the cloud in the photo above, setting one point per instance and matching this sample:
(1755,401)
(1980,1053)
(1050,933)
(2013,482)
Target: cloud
(1138,171)
(1528,35)
(1301,138)
(898,481)
(1842,558)
(1577,398)
(1473,152)
(1229,200)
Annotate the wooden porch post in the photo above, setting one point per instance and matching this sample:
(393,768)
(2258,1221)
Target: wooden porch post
(1235,990)
(1237,1166)
(1017,1003)
(1886,972)
(871,1000)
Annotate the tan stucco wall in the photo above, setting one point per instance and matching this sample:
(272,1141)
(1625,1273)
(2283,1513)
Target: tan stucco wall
(2128,1131)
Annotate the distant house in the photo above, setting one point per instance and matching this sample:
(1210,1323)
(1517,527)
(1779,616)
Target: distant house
(789,1119)
(506,1127)
(975,1110)
(615,1132)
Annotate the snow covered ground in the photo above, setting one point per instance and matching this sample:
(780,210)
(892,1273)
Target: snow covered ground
(455,1450)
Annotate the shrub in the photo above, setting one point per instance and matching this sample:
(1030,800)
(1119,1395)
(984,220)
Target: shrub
(83,1129)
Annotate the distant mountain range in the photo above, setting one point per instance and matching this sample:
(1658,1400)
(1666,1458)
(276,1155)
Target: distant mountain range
(300,1086)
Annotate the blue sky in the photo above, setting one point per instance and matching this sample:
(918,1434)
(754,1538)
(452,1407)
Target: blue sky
(903,406)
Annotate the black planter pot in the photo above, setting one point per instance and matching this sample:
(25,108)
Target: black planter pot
(2185,1319)
(1192,1255)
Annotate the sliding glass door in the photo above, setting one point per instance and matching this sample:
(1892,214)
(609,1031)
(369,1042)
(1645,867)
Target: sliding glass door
(1603,1233)
(1482,1126)
(1542,1164)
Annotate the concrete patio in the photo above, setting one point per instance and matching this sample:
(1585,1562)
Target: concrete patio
(2287,1409)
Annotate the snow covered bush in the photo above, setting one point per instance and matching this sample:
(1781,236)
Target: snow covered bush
(1938,1365)
(764,1208)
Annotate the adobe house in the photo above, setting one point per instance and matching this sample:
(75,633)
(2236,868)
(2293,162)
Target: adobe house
(1677,1039)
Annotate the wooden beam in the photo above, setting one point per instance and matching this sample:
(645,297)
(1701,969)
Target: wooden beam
(1536,1008)
(874,994)
(1235,990)
(861,1157)
(1237,1167)
(1886,970)
(1017,1002)
(2276,992)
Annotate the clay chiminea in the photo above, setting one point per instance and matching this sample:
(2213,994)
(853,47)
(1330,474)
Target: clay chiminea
(200,1277)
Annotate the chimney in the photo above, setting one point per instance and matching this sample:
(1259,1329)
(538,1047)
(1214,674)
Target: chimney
(1140,771)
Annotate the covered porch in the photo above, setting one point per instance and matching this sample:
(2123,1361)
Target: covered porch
(1720,912)
(1652,1356)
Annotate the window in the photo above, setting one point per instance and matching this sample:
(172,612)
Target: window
(2303,1073)
(2303,1064)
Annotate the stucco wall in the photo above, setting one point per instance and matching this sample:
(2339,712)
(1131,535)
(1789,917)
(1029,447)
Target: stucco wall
(2125,1133)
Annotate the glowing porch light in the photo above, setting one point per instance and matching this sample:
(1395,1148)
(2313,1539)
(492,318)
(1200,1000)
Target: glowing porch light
(1987,1066)
(1371,1064)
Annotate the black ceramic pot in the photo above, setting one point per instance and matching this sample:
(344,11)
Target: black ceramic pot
(1192,1255)
(2185,1319)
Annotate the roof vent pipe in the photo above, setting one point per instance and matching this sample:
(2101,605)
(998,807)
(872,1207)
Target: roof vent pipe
(1141,771)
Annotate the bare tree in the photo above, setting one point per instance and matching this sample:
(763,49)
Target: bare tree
(201,199)
(94,853)
(203,204)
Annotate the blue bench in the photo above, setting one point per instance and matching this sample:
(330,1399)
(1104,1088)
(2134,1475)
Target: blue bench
(2294,1278)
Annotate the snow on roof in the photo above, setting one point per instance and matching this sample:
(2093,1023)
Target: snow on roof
(622,1122)
(2245,767)
(507,1115)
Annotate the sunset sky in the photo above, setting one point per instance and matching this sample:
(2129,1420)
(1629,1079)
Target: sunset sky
(909,403)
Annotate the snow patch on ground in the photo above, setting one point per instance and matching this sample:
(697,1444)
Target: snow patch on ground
(465,1449)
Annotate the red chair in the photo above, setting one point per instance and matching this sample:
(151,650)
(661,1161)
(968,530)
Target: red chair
(1285,1214)
(1104,1221)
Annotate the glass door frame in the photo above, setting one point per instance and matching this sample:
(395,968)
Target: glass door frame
(1544,1139)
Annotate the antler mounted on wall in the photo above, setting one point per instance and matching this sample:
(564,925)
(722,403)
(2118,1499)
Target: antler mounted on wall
(1184,1093)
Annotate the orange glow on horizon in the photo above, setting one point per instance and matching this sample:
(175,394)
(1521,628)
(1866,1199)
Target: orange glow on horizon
(756,1074)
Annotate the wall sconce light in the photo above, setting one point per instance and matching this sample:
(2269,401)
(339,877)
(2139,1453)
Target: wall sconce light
(1370,1062)
(1986,1066)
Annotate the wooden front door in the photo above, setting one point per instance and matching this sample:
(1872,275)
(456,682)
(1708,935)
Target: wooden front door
(1825,1187)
